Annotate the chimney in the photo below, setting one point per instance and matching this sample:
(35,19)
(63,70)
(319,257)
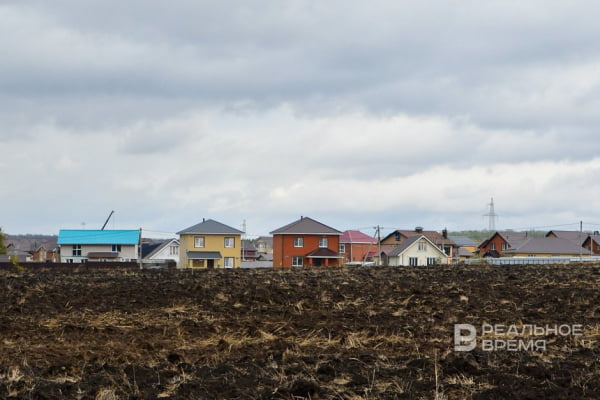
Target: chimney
(302,217)
(445,233)
(419,229)
(203,220)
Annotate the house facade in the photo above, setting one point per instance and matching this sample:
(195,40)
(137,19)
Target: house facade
(441,240)
(83,245)
(497,244)
(264,244)
(465,247)
(357,248)
(210,244)
(415,251)
(166,251)
(41,254)
(306,243)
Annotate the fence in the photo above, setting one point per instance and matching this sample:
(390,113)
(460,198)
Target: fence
(62,266)
(531,260)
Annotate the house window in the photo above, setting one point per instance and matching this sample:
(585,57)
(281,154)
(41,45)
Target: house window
(116,248)
(323,242)
(503,246)
(342,248)
(297,261)
(493,246)
(299,242)
(422,246)
(199,241)
(431,261)
(228,262)
(229,242)
(173,250)
(413,261)
(76,249)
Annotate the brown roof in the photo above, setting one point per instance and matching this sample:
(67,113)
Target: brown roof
(436,237)
(547,245)
(306,226)
(323,253)
(575,236)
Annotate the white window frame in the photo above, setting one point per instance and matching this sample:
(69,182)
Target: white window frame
(342,248)
(77,250)
(323,243)
(116,248)
(229,262)
(297,261)
(199,242)
(413,261)
(422,246)
(229,242)
(299,241)
(431,260)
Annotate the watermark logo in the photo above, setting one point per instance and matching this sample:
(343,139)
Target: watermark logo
(462,341)
(501,337)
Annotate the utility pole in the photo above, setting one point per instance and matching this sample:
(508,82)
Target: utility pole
(243,241)
(378,245)
(580,235)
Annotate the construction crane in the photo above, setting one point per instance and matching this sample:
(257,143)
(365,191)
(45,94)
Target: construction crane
(106,222)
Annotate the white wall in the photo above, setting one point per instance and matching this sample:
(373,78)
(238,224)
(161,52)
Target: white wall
(422,255)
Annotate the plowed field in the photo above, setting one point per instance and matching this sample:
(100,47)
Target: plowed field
(364,333)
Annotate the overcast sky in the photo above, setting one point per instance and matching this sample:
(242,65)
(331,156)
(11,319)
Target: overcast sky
(391,113)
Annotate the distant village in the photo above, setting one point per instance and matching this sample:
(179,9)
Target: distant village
(304,242)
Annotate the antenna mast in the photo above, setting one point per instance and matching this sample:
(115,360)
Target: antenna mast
(491,216)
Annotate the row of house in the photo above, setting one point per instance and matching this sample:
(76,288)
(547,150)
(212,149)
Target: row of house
(307,242)
(554,244)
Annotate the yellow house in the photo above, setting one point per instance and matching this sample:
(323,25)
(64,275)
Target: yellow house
(210,244)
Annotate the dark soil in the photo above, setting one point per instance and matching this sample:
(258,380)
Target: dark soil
(367,333)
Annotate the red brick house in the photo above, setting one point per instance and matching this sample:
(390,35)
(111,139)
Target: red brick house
(306,243)
(500,242)
(356,247)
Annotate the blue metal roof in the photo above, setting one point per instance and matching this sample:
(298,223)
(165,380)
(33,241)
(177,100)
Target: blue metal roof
(97,236)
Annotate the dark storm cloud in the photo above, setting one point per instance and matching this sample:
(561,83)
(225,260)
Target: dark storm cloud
(432,58)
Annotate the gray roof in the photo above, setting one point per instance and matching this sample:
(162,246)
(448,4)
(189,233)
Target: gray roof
(462,241)
(306,226)
(404,245)
(574,236)
(210,227)
(204,255)
(149,249)
(547,245)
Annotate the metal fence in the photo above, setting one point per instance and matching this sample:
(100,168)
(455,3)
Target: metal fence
(531,260)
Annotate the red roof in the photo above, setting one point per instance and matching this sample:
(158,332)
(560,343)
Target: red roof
(356,237)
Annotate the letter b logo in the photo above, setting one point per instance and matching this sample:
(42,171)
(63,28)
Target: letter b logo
(464,342)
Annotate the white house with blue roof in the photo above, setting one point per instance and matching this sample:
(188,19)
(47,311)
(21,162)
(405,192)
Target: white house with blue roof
(82,245)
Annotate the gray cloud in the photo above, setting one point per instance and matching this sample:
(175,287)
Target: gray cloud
(267,110)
